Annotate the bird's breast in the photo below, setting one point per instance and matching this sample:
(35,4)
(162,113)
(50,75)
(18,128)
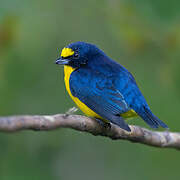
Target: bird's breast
(68,70)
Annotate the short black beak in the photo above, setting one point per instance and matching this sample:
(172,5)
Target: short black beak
(62,61)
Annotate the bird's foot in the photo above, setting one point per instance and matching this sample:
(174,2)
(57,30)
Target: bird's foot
(70,111)
(106,125)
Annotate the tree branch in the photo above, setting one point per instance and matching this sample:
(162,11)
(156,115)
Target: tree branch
(81,123)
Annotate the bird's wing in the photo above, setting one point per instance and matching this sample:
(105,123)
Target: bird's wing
(101,97)
(135,100)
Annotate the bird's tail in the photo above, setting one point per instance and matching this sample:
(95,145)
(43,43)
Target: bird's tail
(153,121)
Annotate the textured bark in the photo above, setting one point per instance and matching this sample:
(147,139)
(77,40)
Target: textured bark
(81,123)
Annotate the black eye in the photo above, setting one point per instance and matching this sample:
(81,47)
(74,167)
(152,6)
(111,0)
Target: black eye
(76,55)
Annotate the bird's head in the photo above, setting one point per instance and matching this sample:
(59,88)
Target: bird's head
(78,54)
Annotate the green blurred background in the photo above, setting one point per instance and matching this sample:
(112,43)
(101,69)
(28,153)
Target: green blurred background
(144,36)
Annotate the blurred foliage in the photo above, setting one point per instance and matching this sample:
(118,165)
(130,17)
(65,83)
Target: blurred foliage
(144,36)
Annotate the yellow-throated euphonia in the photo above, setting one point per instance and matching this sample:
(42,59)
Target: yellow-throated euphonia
(102,88)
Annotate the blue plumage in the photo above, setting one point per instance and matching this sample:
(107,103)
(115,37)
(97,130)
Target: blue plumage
(106,87)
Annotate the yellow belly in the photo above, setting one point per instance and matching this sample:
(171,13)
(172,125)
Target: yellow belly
(129,114)
(67,72)
(86,110)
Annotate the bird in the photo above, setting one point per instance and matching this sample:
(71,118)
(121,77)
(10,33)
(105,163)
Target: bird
(102,88)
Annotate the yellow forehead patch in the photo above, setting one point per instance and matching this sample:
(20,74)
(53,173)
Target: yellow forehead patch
(66,52)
